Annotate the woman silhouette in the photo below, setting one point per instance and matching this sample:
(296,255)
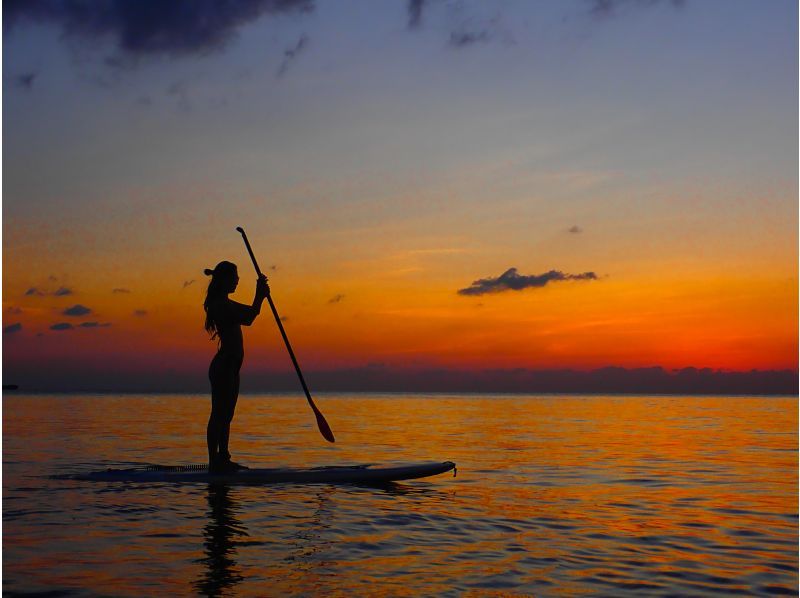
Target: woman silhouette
(224,319)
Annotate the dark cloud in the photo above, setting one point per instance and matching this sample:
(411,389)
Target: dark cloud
(575,229)
(76,310)
(121,291)
(462,39)
(37,292)
(415,8)
(14,310)
(187,283)
(284,319)
(62,326)
(25,81)
(335,299)
(94,325)
(150,27)
(12,328)
(603,9)
(140,313)
(290,54)
(510,280)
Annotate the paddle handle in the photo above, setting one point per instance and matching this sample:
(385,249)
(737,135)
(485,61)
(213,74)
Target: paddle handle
(252,255)
(322,424)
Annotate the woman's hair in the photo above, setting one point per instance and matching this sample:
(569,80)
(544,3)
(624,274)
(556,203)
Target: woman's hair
(217,289)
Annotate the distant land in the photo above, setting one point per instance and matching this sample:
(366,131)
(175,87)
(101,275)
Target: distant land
(380,378)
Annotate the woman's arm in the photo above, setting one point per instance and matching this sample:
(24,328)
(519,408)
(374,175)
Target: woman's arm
(245,314)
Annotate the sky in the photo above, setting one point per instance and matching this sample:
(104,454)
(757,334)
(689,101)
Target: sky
(430,185)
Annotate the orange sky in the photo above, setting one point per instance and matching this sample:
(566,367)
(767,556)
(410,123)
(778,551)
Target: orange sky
(389,169)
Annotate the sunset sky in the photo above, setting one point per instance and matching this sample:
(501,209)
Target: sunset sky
(635,163)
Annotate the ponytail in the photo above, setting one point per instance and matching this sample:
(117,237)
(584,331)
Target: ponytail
(220,277)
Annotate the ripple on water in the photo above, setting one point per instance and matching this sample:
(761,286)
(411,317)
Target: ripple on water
(553,496)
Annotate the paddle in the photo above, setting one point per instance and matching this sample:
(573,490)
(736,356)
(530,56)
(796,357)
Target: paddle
(324,428)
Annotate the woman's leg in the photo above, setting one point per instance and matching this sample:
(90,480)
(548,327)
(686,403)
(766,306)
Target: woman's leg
(222,388)
(230,407)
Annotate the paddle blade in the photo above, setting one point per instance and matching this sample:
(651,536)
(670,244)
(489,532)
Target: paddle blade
(323,426)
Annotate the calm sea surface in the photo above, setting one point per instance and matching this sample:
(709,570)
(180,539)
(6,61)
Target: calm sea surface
(563,495)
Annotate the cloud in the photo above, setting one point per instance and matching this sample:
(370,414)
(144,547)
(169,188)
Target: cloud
(187,283)
(120,291)
(12,328)
(290,54)
(14,310)
(140,313)
(603,9)
(284,319)
(510,280)
(336,299)
(25,81)
(62,326)
(575,229)
(37,292)
(150,27)
(76,310)
(180,92)
(462,39)
(415,8)
(94,325)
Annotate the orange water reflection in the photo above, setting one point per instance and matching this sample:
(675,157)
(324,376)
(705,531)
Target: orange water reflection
(554,495)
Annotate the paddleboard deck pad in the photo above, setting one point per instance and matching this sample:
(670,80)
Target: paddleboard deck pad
(341,474)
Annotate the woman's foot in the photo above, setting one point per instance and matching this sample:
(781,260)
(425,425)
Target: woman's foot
(234,466)
(223,465)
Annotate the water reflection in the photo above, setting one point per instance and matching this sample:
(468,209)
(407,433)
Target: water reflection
(220,533)
(608,496)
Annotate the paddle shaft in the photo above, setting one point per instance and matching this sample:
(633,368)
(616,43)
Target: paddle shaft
(321,422)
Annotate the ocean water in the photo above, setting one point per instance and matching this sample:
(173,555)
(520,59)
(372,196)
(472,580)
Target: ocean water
(555,495)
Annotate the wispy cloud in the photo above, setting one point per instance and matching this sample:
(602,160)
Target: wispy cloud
(140,313)
(462,39)
(511,280)
(59,292)
(575,229)
(25,81)
(12,328)
(603,9)
(335,299)
(121,291)
(290,54)
(415,8)
(76,310)
(94,325)
(187,283)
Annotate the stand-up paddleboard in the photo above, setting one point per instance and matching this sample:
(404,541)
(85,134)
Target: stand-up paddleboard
(346,474)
